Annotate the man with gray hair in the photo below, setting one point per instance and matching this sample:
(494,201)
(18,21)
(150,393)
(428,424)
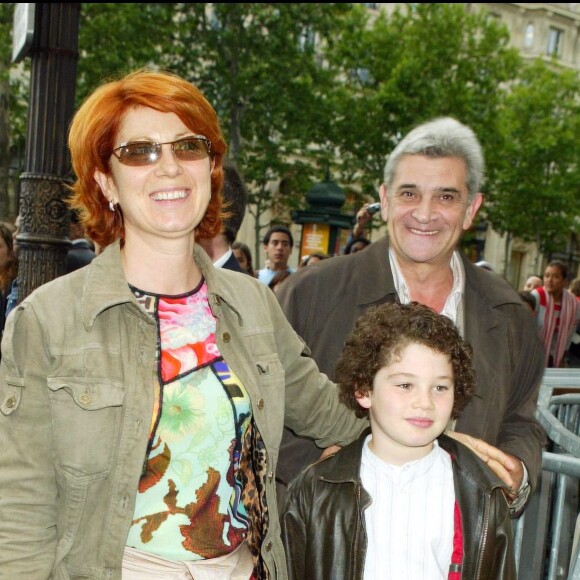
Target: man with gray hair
(430,195)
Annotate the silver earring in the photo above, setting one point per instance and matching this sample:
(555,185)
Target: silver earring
(112,206)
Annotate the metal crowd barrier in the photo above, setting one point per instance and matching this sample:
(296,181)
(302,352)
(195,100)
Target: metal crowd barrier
(546,535)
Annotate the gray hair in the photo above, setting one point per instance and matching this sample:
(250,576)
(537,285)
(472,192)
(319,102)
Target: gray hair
(443,137)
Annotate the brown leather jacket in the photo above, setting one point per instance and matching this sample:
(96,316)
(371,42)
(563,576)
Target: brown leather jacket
(323,525)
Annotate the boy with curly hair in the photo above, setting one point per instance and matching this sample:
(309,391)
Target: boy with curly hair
(404,501)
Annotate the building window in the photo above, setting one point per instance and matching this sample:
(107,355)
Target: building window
(307,39)
(529,36)
(361,75)
(555,37)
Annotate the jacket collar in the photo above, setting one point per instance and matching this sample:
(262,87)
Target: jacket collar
(373,264)
(105,284)
(223,285)
(485,293)
(468,464)
(345,466)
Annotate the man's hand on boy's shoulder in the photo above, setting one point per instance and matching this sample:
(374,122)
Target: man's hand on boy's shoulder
(507,467)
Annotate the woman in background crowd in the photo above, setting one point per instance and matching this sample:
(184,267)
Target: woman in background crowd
(8,268)
(557,313)
(244,256)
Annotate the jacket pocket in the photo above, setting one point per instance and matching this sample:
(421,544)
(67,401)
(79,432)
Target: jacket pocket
(86,422)
(11,394)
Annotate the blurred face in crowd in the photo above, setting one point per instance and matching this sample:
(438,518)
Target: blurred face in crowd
(358,247)
(278,250)
(532,282)
(554,282)
(241,258)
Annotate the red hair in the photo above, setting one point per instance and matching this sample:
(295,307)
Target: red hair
(94,130)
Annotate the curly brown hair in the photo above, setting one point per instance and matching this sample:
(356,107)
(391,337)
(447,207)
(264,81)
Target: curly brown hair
(382,332)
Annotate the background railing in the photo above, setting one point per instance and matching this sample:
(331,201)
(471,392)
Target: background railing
(546,535)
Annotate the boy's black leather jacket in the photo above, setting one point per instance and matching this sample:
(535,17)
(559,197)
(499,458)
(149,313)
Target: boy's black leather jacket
(323,524)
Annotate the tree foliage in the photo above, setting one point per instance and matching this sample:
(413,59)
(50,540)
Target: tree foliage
(13,106)
(259,66)
(422,62)
(537,187)
(306,89)
(115,39)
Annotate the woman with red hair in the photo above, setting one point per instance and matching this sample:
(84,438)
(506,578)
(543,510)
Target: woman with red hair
(142,397)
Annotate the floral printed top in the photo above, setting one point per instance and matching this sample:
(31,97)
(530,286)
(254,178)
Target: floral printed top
(188,506)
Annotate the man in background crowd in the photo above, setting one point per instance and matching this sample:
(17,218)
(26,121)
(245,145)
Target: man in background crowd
(278,243)
(234,201)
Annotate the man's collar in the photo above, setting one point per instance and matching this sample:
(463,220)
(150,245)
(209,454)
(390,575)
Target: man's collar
(452,301)
(373,278)
(223,259)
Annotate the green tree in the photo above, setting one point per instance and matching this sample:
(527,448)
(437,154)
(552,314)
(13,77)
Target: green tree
(423,61)
(259,65)
(5,46)
(537,187)
(115,39)
(13,106)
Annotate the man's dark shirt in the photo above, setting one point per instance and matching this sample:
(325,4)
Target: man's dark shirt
(80,254)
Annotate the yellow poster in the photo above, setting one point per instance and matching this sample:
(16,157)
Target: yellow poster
(315,238)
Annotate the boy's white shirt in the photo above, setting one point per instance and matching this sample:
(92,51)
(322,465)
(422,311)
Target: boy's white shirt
(410,522)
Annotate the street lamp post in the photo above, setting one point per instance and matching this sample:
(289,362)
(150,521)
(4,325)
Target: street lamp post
(323,221)
(44,217)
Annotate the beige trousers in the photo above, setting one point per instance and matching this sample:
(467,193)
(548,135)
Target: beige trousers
(139,565)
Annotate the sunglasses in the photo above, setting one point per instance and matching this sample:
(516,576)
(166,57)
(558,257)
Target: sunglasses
(139,153)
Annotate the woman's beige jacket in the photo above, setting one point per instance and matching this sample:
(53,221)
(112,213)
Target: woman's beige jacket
(76,399)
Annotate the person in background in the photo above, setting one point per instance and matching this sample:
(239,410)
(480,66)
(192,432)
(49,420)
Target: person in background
(404,501)
(358,239)
(557,313)
(82,251)
(235,199)
(528,300)
(430,195)
(278,243)
(314,258)
(12,298)
(8,268)
(532,282)
(278,278)
(356,245)
(485,265)
(574,350)
(143,397)
(575,287)
(244,257)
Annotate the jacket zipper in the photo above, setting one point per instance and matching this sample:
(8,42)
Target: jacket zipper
(484,534)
